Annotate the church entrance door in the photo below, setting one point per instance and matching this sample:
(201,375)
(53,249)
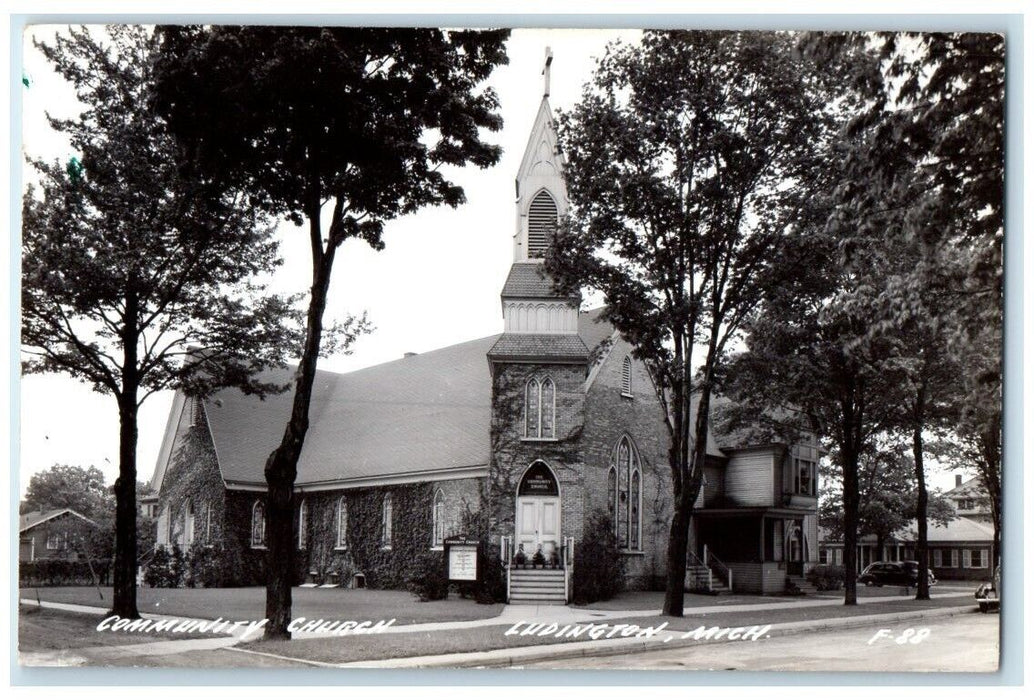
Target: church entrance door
(538,512)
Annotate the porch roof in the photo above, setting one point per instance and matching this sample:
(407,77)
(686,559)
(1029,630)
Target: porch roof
(773,511)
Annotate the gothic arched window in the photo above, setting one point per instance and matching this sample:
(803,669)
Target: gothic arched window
(612,493)
(386,521)
(542,222)
(258,525)
(626,377)
(627,496)
(438,519)
(540,409)
(341,537)
(188,523)
(303,524)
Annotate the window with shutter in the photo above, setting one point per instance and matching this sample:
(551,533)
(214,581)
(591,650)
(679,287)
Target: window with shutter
(542,222)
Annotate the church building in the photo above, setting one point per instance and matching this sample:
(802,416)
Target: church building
(525,440)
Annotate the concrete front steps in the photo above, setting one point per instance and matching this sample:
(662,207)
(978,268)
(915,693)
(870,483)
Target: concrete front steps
(802,585)
(537,587)
(697,580)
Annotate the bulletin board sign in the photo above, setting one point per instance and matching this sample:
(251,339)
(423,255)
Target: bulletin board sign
(461,556)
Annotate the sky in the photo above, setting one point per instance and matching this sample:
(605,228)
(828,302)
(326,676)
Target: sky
(436,283)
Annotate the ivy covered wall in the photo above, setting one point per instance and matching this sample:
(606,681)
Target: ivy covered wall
(512,454)
(383,564)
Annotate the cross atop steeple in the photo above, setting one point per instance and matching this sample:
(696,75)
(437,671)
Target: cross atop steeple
(545,70)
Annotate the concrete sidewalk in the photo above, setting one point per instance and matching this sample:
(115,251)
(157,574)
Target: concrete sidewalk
(510,615)
(562,614)
(516,656)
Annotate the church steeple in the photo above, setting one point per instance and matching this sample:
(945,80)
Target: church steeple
(541,193)
(540,325)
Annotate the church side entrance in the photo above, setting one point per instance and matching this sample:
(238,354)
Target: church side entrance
(538,513)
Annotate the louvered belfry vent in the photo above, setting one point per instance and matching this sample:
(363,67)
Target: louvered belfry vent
(542,222)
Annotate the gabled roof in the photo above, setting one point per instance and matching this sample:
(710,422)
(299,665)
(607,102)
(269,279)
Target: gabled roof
(961,529)
(970,488)
(27,521)
(402,419)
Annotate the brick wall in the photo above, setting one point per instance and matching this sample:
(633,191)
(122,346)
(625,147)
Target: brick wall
(512,454)
(192,476)
(609,417)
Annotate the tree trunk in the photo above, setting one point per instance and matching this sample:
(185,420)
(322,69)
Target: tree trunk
(124,597)
(850,484)
(678,538)
(989,468)
(678,544)
(124,584)
(922,555)
(282,465)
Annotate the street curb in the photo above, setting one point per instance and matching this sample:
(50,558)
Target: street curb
(521,655)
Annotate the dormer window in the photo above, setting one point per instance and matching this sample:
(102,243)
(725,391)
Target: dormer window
(542,223)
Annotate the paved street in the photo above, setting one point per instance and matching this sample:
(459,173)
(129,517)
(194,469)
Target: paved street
(960,643)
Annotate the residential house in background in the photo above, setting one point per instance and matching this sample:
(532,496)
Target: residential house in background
(970,499)
(59,533)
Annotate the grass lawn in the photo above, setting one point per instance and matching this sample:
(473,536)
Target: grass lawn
(46,629)
(346,649)
(311,603)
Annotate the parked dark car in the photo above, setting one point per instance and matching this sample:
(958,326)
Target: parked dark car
(893,573)
(988,595)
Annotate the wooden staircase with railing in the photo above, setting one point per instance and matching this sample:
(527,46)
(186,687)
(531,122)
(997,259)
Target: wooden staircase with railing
(707,574)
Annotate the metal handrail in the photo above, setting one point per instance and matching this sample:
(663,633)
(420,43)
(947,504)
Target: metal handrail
(567,558)
(505,554)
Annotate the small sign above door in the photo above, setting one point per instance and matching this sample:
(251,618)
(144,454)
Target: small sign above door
(539,480)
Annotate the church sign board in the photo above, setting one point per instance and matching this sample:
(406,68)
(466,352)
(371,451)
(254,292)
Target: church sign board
(461,557)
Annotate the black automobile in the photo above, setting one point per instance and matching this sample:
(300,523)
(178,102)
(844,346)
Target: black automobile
(988,595)
(893,573)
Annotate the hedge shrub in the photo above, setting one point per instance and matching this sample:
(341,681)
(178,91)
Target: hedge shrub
(827,577)
(64,572)
(427,577)
(598,567)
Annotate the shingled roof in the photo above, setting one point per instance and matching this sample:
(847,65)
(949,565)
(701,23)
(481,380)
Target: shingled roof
(401,419)
(27,521)
(531,346)
(528,281)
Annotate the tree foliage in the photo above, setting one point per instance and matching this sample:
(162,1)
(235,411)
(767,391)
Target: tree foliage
(136,277)
(887,495)
(69,486)
(338,129)
(927,169)
(689,158)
